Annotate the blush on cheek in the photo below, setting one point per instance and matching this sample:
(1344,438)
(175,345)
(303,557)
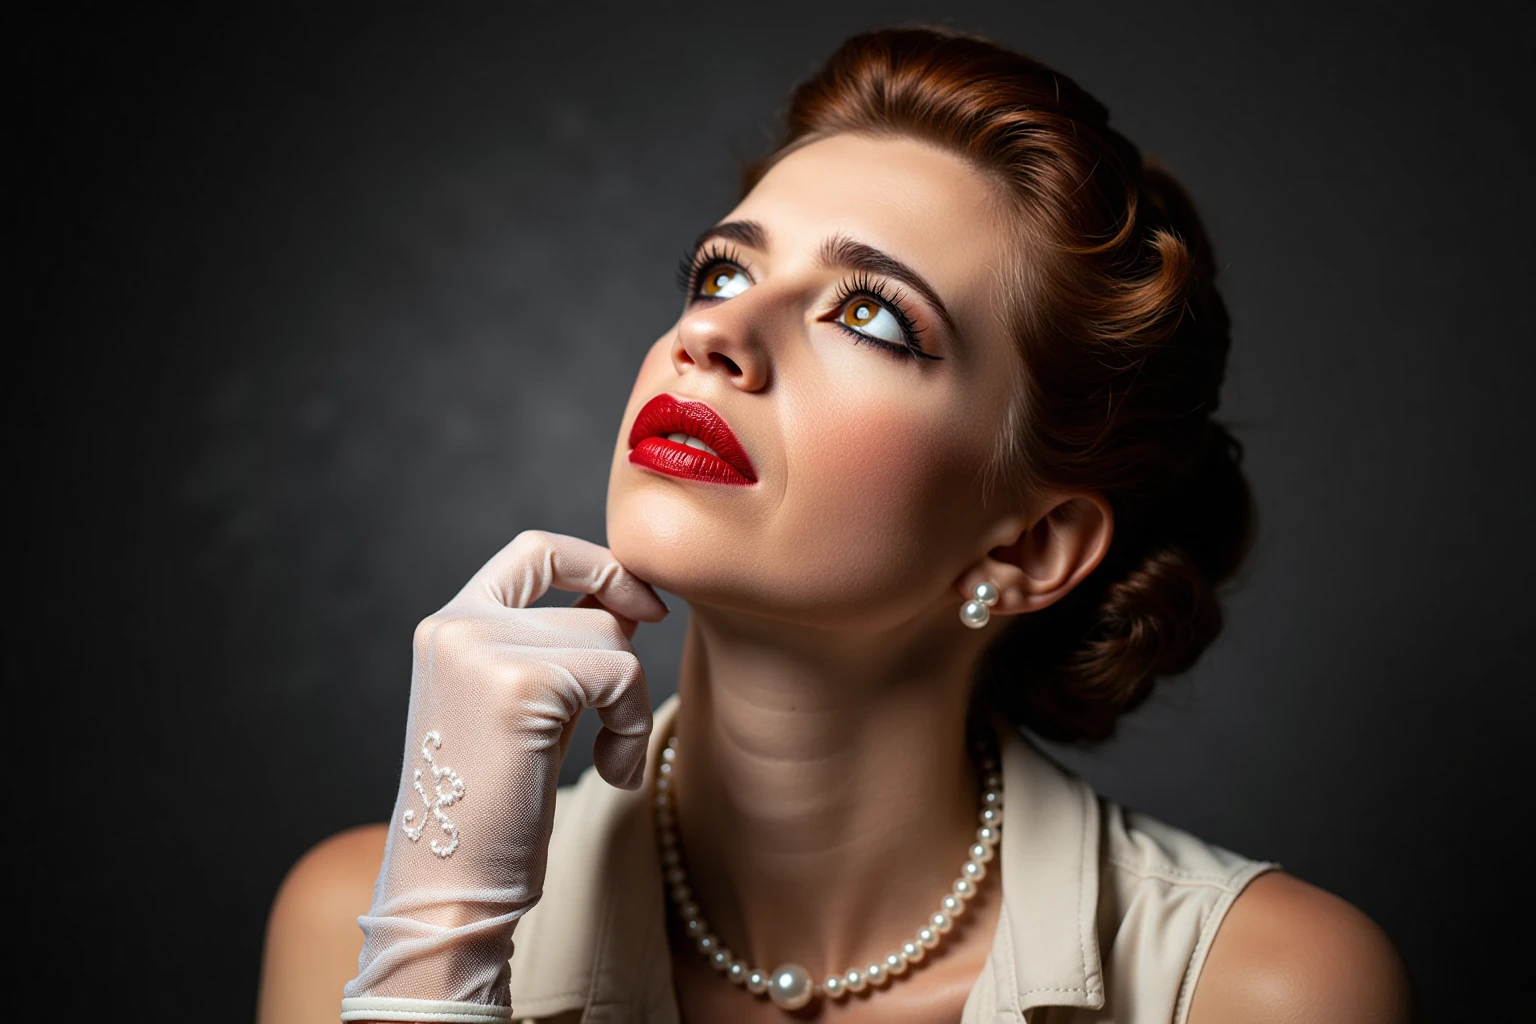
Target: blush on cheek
(890,483)
(886,456)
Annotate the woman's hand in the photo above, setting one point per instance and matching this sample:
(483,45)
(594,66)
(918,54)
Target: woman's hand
(496,689)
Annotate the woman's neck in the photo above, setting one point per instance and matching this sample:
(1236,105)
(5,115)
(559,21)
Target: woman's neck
(825,794)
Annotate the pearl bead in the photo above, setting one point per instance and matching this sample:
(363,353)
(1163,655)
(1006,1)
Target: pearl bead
(989,835)
(964,888)
(706,943)
(737,972)
(975,614)
(854,980)
(974,870)
(689,909)
(757,982)
(991,816)
(953,905)
(928,937)
(675,876)
(986,592)
(833,987)
(992,780)
(663,784)
(913,951)
(940,922)
(875,974)
(695,927)
(992,798)
(663,801)
(790,986)
(895,964)
(981,852)
(670,857)
(682,893)
(721,958)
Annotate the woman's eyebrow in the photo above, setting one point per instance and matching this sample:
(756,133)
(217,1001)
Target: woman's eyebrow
(743,232)
(842,251)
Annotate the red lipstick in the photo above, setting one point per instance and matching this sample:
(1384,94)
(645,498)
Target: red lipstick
(651,447)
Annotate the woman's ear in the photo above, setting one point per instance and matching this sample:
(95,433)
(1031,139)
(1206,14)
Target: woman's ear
(1034,564)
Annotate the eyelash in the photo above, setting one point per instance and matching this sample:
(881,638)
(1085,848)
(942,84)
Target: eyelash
(690,272)
(690,269)
(872,288)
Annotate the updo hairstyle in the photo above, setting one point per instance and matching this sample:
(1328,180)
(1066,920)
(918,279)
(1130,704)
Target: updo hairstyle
(1123,339)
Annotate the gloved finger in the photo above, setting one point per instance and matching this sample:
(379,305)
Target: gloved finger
(552,626)
(535,560)
(628,625)
(567,732)
(612,683)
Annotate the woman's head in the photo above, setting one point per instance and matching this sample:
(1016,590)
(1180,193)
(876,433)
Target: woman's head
(962,332)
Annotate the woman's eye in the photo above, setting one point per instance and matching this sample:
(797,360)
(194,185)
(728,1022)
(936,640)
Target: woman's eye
(869,317)
(723,281)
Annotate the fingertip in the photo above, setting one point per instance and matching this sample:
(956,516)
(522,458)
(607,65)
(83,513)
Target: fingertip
(632,781)
(636,773)
(622,591)
(652,617)
(658,609)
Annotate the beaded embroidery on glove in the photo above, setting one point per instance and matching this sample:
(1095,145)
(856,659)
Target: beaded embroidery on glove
(445,798)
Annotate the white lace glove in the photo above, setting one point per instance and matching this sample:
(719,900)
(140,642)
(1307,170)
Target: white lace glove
(496,688)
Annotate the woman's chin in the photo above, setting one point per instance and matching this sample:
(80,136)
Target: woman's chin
(659,544)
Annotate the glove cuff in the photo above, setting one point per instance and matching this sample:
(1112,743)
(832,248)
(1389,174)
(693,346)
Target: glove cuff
(446,1011)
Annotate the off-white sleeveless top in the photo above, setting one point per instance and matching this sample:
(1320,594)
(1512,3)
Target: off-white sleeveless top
(1107,915)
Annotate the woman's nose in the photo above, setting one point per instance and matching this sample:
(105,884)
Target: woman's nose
(719,339)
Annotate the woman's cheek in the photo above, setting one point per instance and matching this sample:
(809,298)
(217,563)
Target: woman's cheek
(864,514)
(883,470)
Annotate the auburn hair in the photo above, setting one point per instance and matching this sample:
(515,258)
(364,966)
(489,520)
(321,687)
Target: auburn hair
(1123,339)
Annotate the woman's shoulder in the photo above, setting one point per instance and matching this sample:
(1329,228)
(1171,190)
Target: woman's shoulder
(312,938)
(1262,944)
(1290,951)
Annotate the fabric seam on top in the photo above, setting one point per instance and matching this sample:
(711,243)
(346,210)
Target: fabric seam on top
(1008,964)
(1172,874)
(1089,820)
(594,979)
(1209,926)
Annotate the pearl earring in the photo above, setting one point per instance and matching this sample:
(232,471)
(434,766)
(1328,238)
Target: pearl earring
(978,610)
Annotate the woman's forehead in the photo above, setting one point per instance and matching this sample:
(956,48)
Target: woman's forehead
(925,206)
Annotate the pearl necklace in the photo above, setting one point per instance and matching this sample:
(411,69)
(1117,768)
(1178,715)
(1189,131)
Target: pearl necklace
(789,985)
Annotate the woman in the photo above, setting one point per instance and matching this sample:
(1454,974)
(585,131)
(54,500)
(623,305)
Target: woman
(930,454)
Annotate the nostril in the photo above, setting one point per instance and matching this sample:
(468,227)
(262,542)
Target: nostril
(727,361)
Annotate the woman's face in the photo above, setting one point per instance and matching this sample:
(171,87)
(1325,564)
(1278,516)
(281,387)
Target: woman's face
(845,322)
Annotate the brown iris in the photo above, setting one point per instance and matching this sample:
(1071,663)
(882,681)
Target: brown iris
(716,280)
(857,314)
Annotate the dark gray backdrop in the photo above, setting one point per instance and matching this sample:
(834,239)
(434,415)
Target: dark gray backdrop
(318,311)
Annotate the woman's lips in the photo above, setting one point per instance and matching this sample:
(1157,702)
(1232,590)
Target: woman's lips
(650,446)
